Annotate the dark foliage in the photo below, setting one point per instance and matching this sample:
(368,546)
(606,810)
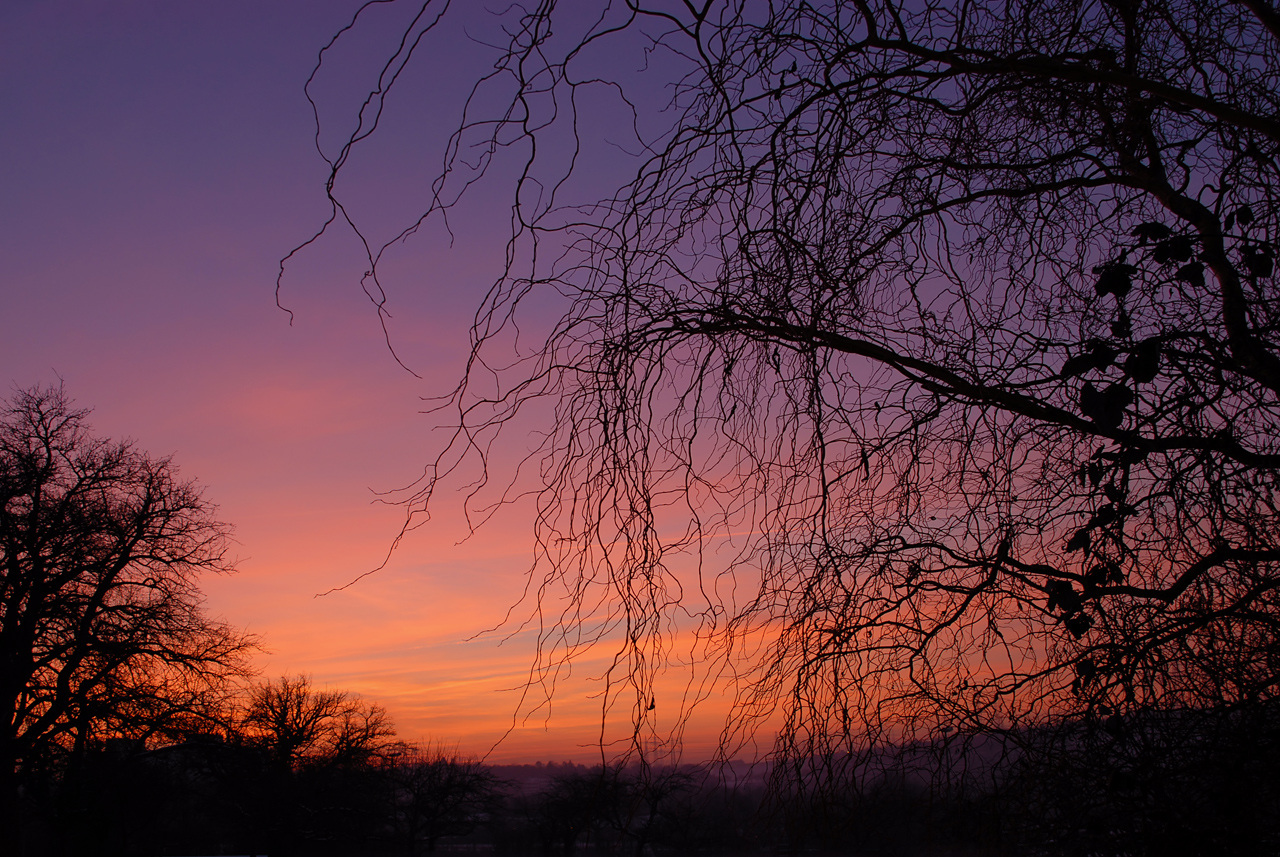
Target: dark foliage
(1192,782)
(1162,784)
(439,794)
(102,633)
(290,770)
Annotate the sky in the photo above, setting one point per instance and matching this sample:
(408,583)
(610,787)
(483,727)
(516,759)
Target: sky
(157,162)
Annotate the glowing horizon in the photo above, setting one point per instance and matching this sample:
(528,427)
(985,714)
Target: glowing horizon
(161,163)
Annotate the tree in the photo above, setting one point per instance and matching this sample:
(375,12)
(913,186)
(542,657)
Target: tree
(956,321)
(322,750)
(647,796)
(578,803)
(295,724)
(438,793)
(102,630)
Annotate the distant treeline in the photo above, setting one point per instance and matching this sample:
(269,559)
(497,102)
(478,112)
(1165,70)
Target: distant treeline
(299,771)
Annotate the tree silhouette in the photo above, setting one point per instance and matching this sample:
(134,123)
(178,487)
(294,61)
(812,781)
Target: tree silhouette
(647,796)
(322,750)
(944,331)
(295,724)
(577,804)
(102,631)
(436,793)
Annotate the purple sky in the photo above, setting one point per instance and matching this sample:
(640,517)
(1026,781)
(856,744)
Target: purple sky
(157,162)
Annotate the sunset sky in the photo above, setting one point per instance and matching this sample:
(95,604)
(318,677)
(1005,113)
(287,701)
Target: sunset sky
(157,162)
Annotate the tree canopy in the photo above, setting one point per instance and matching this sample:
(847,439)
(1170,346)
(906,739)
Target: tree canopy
(294,724)
(956,321)
(102,629)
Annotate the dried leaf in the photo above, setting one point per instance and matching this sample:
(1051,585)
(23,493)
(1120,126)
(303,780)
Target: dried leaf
(1062,596)
(1079,541)
(1098,356)
(1079,624)
(1260,263)
(1192,273)
(1090,401)
(1143,363)
(1175,249)
(1115,278)
(1102,517)
(1121,328)
(1151,232)
(1077,365)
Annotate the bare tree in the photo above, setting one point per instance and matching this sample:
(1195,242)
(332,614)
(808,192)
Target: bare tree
(295,724)
(647,796)
(579,807)
(321,750)
(102,631)
(437,792)
(955,321)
